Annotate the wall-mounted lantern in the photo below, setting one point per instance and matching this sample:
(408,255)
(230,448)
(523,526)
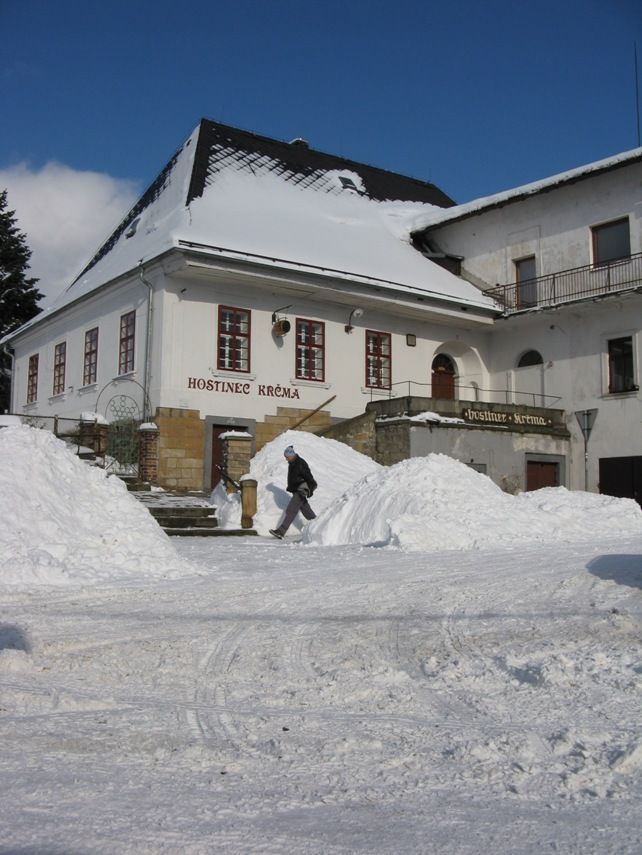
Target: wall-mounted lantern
(355,313)
(280,326)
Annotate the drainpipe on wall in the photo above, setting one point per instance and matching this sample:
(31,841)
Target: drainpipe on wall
(148,340)
(9,351)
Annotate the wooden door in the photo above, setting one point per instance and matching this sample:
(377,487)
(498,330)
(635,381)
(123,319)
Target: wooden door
(443,378)
(540,474)
(217,449)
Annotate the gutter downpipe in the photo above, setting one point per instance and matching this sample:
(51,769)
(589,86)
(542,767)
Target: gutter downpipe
(10,352)
(148,339)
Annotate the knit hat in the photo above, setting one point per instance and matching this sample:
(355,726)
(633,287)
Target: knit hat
(289,451)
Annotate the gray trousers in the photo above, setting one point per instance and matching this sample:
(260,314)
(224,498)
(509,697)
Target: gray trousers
(297,503)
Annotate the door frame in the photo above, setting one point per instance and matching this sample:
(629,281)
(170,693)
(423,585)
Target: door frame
(560,459)
(232,421)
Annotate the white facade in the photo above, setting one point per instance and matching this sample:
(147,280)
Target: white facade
(553,225)
(571,329)
(260,244)
(183,370)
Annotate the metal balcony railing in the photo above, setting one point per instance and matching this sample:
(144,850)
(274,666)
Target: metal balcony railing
(565,286)
(468,393)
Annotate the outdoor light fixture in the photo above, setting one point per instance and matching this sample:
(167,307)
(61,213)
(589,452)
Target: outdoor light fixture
(280,326)
(411,340)
(355,313)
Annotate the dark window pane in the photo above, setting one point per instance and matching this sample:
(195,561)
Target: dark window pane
(525,274)
(531,357)
(611,241)
(621,365)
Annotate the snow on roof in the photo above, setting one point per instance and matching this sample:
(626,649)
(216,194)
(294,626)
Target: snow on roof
(341,234)
(240,194)
(433,218)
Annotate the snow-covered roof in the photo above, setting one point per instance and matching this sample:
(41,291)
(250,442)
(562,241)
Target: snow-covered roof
(439,217)
(241,195)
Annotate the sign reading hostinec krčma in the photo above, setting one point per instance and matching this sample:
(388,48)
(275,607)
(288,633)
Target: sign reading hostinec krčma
(235,387)
(494,418)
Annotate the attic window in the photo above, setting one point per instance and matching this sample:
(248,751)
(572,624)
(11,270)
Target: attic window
(131,231)
(348,183)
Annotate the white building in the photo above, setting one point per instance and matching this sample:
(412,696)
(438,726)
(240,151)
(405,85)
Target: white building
(256,281)
(564,257)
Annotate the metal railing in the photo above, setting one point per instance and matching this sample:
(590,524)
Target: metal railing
(470,393)
(565,286)
(60,426)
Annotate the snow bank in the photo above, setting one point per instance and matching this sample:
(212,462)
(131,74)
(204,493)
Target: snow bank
(335,467)
(435,502)
(62,521)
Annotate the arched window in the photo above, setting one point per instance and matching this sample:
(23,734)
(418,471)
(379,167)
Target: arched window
(531,357)
(443,377)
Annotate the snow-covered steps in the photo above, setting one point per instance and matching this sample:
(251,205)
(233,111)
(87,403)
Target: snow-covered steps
(186,515)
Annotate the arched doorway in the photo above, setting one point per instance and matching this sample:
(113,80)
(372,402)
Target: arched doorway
(443,377)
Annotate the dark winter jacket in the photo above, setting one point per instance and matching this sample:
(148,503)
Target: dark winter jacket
(299,474)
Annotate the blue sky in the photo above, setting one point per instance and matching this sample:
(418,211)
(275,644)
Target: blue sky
(476,97)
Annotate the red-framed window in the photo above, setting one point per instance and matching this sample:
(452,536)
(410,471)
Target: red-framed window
(32,379)
(127,343)
(233,349)
(310,350)
(60,359)
(90,365)
(378,359)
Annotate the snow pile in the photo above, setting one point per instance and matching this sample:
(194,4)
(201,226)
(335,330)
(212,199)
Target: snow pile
(429,416)
(436,503)
(335,467)
(62,521)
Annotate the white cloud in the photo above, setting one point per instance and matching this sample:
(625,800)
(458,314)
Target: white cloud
(66,214)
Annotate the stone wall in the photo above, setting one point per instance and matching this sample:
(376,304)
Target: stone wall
(358,433)
(285,419)
(236,456)
(392,443)
(181,448)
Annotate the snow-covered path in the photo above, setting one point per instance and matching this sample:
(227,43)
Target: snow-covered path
(329,700)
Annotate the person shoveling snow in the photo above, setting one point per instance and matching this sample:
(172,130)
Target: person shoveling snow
(302,485)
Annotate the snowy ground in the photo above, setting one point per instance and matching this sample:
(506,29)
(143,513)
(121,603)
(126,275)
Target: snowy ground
(299,699)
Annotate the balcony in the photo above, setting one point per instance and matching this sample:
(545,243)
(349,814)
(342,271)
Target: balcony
(568,286)
(461,394)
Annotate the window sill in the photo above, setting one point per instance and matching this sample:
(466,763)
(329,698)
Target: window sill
(376,390)
(630,393)
(84,390)
(61,396)
(314,384)
(30,406)
(601,266)
(128,375)
(232,375)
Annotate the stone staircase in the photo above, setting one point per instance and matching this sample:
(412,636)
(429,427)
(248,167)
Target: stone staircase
(186,514)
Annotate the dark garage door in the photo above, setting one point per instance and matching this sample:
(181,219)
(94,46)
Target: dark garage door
(621,476)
